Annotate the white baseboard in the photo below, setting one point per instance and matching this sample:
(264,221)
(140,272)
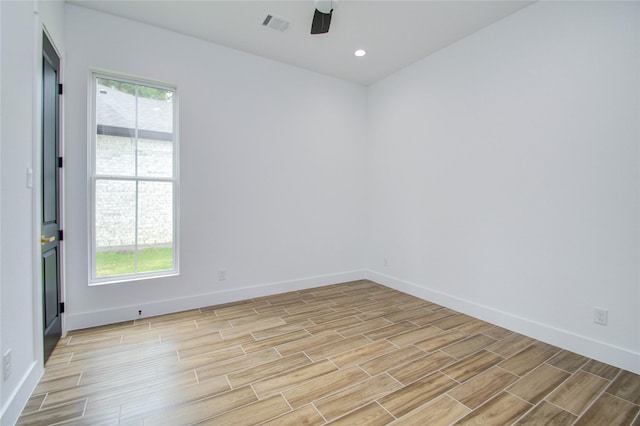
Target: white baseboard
(18,399)
(77,321)
(601,351)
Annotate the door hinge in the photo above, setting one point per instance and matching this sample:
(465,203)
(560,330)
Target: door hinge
(61,235)
(60,162)
(60,89)
(62,307)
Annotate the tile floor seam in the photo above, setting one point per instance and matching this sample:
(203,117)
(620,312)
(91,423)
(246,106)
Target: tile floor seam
(345,414)
(456,399)
(487,401)
(455,380)
(254,391)
(397,346)
(523,349)
(392,378)
(595,375)
(312,403)
(558,368)
(334,364)
(465,356)
(531,409)
(46,395)
(328,395)
(377,402)
(287,401)
(618,397)
(556,405)
(84,408)
(595,399)
(509,372)
(518,397)
(226,376)
(618,374)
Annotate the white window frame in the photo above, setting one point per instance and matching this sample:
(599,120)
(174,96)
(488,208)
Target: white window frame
(94,74)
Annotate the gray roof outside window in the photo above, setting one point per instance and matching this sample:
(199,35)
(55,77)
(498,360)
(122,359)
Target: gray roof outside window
(117,109)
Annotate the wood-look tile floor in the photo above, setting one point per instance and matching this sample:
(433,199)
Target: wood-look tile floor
(356,353)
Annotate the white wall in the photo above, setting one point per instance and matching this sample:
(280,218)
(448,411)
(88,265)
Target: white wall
(504,172)
(21,332)
(17,127)
(272,172)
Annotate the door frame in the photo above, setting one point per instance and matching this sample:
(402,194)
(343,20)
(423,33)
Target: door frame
(38,332)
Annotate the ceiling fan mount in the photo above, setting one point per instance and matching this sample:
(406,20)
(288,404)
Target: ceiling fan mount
(322,16)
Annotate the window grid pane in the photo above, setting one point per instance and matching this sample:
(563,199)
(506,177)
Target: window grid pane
(134,179)
(115,225)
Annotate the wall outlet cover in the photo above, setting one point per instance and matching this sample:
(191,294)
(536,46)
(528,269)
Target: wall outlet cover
(600,316)
(6,365)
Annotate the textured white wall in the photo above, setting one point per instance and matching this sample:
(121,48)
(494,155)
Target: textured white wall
(20,331)
(17,126)
(504,176)
(272,172)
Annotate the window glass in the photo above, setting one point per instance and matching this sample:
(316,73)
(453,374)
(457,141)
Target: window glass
(133,180)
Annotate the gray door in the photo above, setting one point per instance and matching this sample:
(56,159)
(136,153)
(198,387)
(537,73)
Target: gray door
(50,234)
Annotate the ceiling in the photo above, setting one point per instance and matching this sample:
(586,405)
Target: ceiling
(394,33)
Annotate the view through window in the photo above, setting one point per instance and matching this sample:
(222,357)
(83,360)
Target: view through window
(133,180)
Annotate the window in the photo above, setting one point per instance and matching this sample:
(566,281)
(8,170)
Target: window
(133,180)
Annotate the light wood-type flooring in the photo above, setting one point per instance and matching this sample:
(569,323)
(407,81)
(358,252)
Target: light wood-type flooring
(356,353)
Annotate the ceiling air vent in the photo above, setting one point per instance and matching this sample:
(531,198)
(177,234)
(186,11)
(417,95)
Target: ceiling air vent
(276,22)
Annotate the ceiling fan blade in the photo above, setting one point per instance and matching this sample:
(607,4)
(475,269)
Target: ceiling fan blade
(321,22)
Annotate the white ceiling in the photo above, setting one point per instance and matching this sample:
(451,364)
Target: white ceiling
(394,33)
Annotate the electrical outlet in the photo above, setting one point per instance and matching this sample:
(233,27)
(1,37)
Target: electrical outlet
(600,316)
(6,365)
(386,262)
(222,274)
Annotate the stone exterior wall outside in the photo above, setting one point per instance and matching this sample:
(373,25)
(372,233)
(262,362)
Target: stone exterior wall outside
(116,199)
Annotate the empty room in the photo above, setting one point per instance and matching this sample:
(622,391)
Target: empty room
(320,212)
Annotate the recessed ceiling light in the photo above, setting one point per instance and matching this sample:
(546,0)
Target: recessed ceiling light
(359,52)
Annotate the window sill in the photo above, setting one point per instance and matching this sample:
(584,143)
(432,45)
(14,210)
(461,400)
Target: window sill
(131,278)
